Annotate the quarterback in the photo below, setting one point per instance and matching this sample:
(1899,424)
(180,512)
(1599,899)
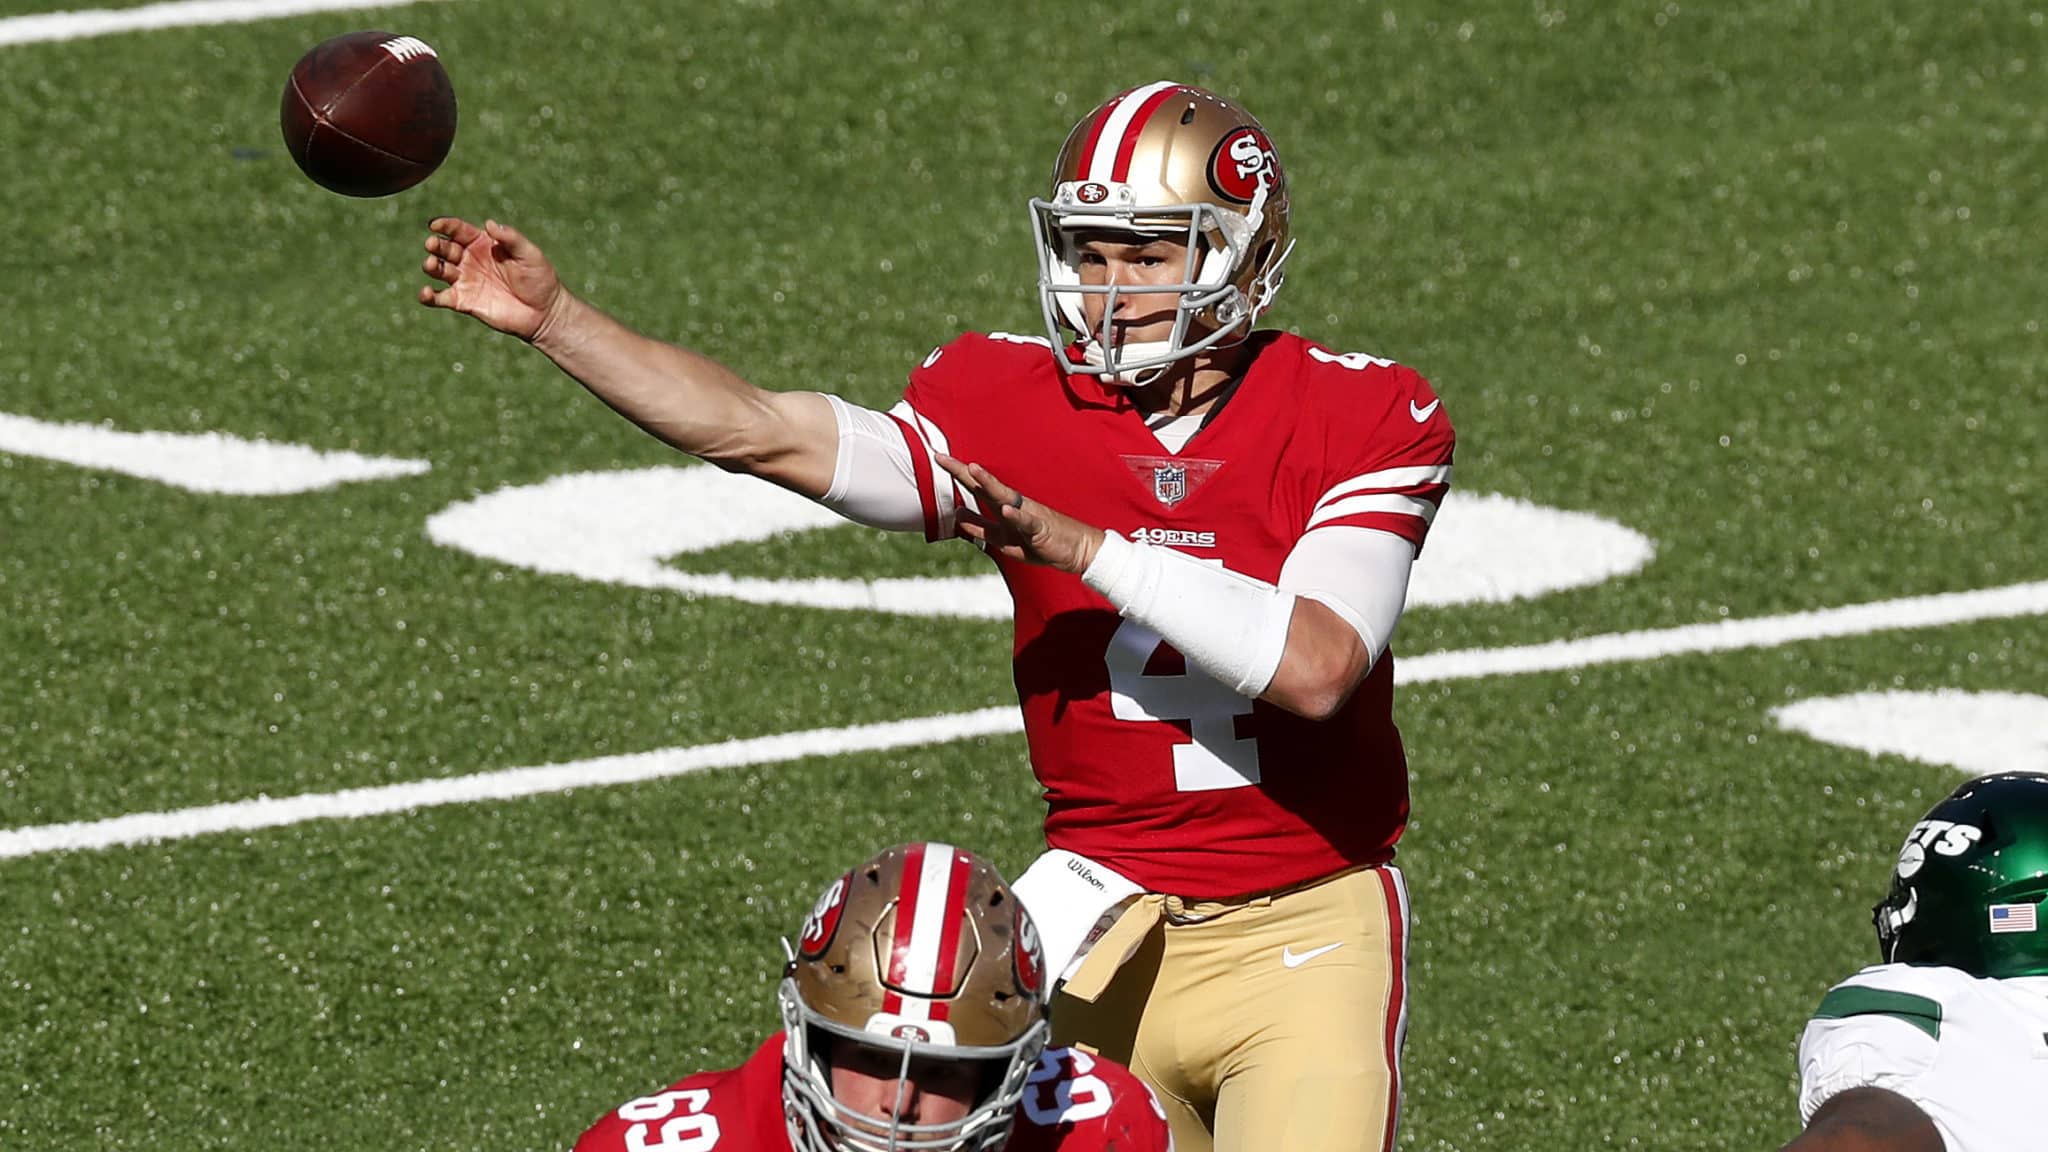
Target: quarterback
(1207,529)
(1944,1046)
(913,1015)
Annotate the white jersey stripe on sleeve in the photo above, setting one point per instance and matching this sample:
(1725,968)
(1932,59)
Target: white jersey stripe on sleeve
(1389,478)
(948,489)
(1381,502)
(946,492)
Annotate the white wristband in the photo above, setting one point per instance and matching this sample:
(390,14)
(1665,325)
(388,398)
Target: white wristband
(1230,626)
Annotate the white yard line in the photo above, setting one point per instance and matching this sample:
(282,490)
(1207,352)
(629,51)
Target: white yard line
(273,812)
(1725,636)
(44,27)
(1730,635)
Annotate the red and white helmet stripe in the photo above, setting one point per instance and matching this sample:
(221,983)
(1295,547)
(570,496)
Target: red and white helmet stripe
(926,944)
(1114,138)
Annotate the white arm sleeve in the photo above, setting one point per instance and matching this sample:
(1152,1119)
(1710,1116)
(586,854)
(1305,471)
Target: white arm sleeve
(1361,574)
(1233,627)
(874,481)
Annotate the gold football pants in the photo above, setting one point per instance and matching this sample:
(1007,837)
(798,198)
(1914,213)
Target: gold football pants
(1267,1024)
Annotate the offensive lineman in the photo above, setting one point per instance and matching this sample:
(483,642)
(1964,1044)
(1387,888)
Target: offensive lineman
(1944,1046)
(1207,530)
(913,1014)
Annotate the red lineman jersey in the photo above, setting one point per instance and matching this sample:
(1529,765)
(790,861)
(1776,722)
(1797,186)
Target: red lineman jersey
(1167,776)
(1072,1103)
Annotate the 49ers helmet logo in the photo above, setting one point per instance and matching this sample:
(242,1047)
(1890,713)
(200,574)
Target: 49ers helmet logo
(823,922)
(1091,193)
(1030,959)
(1242,161)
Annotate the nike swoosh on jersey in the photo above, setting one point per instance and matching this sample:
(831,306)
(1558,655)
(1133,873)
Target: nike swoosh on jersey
(1293,959)
(1422,415)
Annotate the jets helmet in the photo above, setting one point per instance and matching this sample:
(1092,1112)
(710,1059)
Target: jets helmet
(1969,880)
(1163,160)
(925,953)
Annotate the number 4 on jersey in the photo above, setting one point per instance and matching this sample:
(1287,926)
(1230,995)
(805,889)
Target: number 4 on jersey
(1217,757)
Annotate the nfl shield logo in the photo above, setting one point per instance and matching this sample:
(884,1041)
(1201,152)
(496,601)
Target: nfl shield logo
(1170,483)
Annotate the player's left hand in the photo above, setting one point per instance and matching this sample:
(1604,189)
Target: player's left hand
(1021,529)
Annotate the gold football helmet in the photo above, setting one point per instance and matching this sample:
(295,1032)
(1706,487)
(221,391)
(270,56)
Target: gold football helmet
(1164,160)
(922,951)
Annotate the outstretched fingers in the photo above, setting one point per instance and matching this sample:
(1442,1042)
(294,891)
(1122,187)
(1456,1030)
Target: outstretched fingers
(461,231)
(448,237)
(446,269)
(444,248)
(978,480)
(514,242)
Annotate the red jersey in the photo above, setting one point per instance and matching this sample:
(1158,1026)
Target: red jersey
(1073,1102)
(1165,775)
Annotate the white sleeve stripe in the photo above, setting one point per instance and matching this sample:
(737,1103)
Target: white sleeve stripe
(933,438)
(952,497)
(1389,478)
(945,490)
(1385,502)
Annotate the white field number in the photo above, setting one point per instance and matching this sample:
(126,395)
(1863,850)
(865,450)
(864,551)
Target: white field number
(692,1131)
(1217,757)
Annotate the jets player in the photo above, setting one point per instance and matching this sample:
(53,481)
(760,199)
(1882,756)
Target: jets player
(1944,1046)
(1207,529)
(913,1015)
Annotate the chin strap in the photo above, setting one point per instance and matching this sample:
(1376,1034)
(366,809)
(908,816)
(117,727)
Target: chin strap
(1268,284)
(1091,354)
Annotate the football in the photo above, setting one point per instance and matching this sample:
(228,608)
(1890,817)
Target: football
(369,113)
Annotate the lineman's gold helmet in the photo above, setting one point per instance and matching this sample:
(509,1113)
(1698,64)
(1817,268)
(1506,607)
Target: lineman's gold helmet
(925,952)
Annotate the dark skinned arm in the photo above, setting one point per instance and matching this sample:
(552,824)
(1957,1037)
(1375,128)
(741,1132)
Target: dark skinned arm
(1868,1120)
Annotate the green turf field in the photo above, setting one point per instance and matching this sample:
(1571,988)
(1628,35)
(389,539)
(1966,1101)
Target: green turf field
(1752,279)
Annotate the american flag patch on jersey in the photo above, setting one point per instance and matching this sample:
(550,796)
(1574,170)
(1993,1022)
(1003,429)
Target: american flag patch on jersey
(2012,918)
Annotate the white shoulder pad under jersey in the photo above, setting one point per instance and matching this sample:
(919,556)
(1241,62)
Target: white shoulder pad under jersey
(1971,1052)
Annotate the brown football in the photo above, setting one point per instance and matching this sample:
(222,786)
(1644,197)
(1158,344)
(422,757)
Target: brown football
(369,113)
